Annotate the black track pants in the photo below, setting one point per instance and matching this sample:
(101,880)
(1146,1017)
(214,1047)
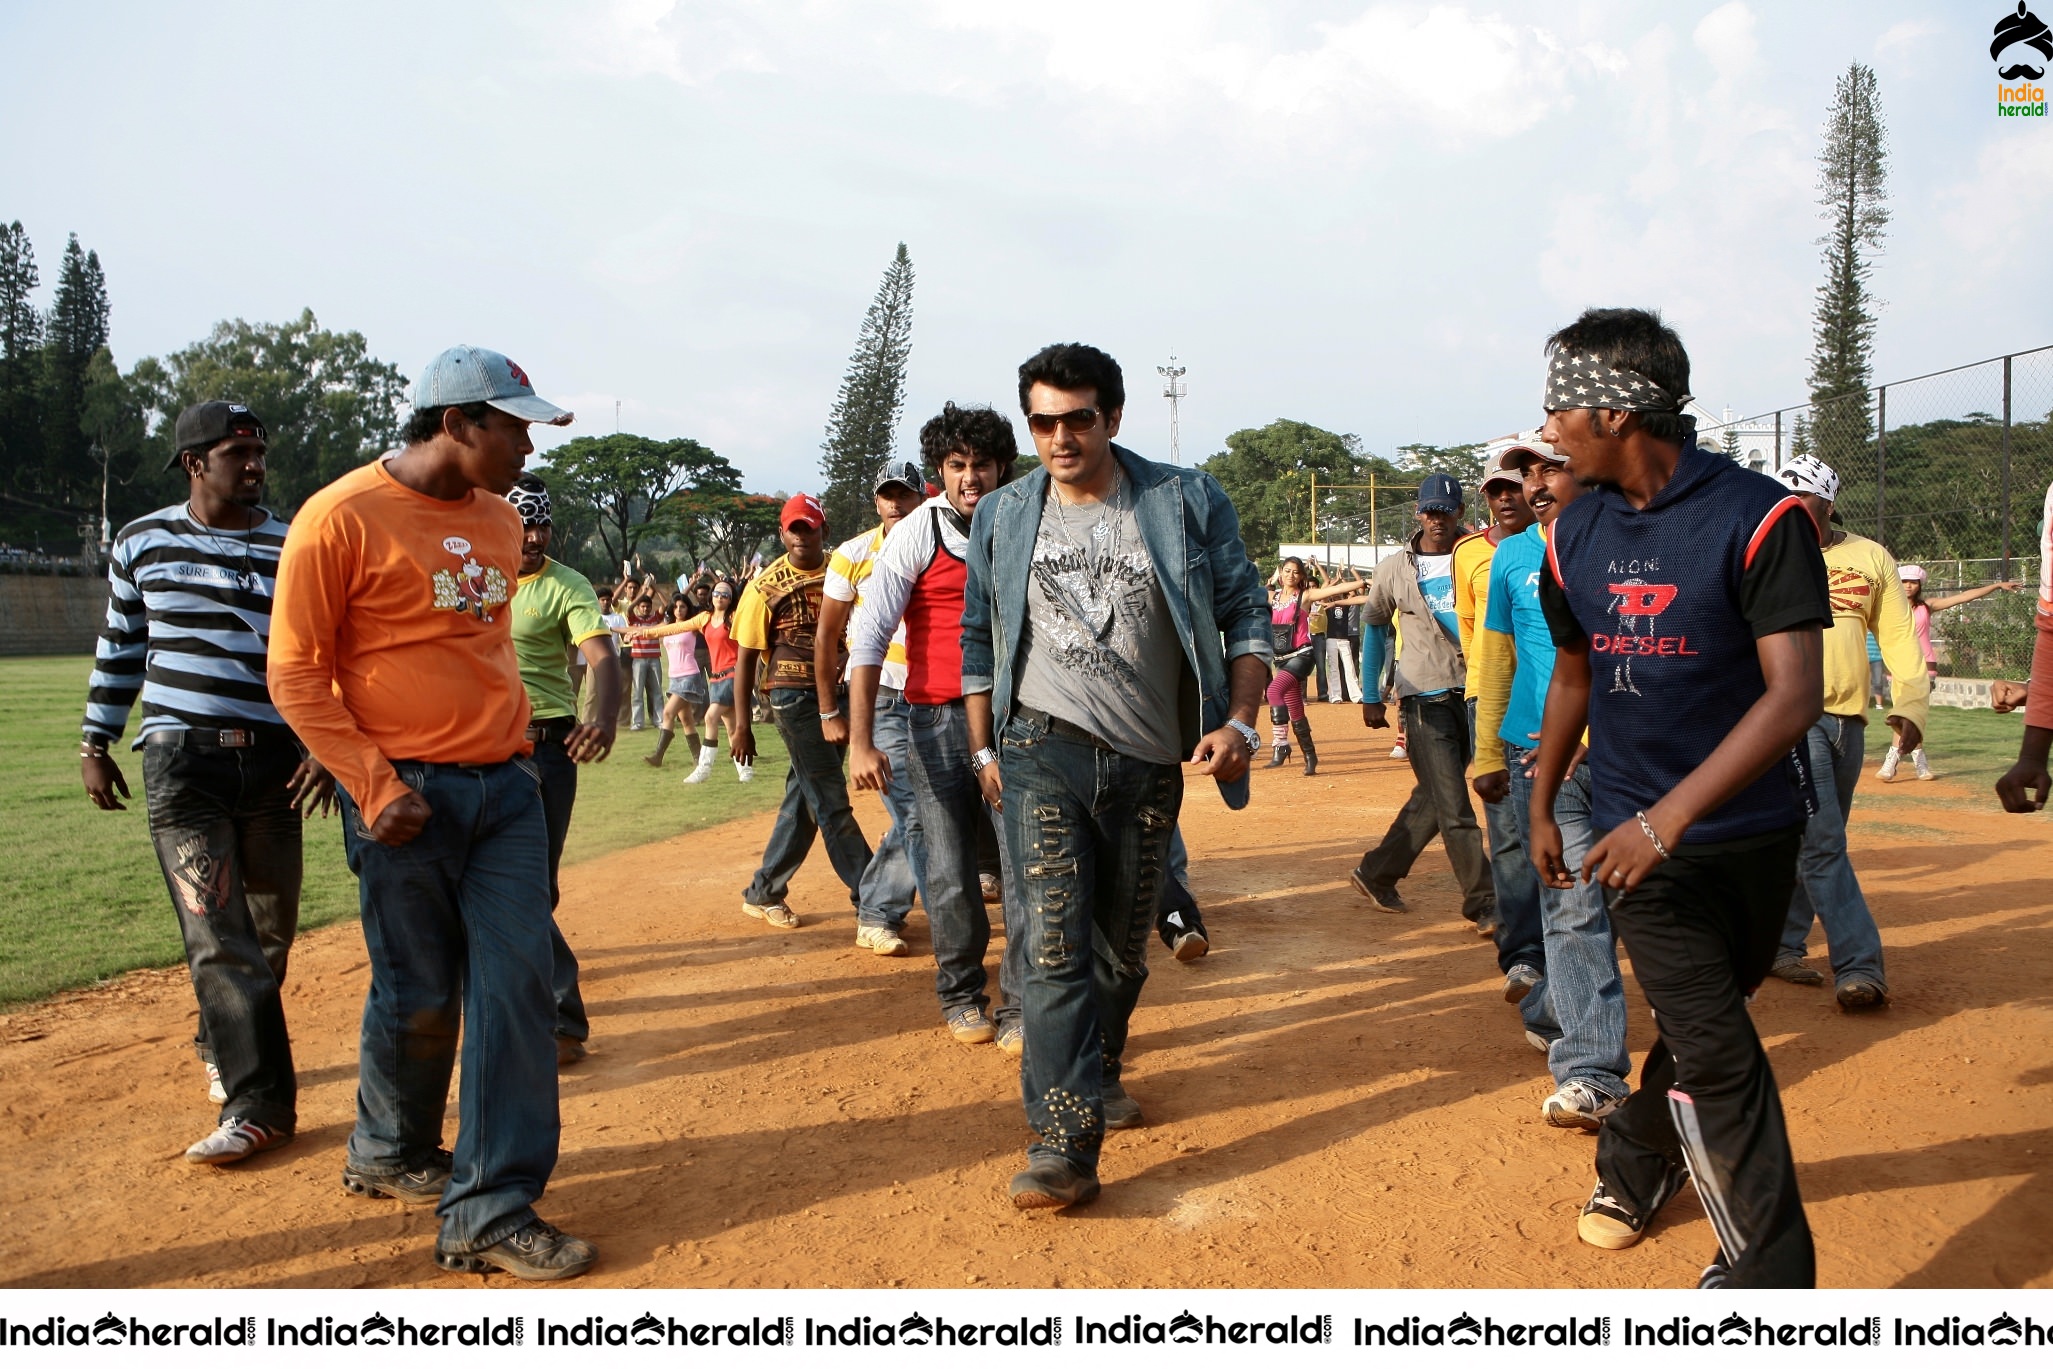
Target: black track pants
(1702,931)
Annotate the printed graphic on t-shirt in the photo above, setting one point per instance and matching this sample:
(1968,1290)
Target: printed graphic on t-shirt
(1638,604)
(1436,583)
(1852,592)
(472,588)
(1089,613)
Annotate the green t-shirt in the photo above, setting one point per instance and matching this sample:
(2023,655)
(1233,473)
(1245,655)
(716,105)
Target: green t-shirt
(553,610)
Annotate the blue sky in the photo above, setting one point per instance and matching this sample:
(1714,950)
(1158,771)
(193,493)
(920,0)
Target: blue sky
(1364,216)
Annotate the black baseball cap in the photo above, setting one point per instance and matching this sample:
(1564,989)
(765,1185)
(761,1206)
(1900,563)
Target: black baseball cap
(200,426)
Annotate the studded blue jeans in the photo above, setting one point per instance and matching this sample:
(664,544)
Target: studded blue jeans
(1087,836)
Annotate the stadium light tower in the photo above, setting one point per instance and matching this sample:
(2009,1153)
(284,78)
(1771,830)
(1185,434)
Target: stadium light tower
(1173,391)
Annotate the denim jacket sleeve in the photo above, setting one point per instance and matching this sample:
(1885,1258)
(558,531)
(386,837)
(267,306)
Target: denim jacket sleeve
(1239,608)
(977,654)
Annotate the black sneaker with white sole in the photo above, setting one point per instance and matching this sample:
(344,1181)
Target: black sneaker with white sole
(537,1251)
(1180,925)
(1607,1223)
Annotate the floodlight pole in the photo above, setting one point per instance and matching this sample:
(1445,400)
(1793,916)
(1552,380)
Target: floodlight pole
(1173,391)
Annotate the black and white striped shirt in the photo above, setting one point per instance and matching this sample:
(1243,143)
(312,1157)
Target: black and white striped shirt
(188,622)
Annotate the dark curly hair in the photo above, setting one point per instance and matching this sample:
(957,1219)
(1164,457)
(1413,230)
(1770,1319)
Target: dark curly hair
(425,425)
(981,432)
(1636,340)
(1074,366)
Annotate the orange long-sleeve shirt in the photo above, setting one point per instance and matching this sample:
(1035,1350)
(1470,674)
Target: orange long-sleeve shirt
(391,632)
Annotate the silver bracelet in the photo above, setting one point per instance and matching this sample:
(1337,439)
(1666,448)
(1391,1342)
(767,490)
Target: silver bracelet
(1648,828)
(834,714)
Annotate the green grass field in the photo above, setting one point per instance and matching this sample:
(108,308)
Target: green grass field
(83,898)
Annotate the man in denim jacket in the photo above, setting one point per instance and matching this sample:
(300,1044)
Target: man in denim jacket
(1112,628)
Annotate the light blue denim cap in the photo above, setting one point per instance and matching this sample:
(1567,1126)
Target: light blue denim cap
(472,375)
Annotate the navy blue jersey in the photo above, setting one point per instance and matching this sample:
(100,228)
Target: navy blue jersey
(1670,599)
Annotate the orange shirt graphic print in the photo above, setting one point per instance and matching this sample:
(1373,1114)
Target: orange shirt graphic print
(471,588)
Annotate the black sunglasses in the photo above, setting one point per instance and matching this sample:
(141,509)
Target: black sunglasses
(1076,420)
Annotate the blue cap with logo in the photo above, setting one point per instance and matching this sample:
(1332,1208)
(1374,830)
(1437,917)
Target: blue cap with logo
(473,375)
(1440,493)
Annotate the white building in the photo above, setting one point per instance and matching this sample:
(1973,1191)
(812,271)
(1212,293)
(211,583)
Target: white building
(1756,438)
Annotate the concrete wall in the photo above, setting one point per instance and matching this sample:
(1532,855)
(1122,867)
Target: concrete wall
(50,615)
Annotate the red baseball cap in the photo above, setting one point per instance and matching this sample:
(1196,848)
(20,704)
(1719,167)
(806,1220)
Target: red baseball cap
(802,508)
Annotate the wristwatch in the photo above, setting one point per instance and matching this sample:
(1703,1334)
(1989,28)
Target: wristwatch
(1247,734)
(985,756)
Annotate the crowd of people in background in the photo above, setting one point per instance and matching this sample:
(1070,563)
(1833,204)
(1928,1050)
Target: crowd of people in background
(1650,665)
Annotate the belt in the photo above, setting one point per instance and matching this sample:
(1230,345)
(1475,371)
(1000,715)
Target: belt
(225,738)
(887,695)
(1062,727)
(551,729)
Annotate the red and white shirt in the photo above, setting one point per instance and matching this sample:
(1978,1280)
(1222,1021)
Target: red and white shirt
(917,578)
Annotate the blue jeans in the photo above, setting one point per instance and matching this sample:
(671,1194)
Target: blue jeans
(1087,846)
(815,803)
(457,925)
(1584,997)
(1826,888)
(559,797)
(228,841)
(1520,940)
(950,804)
(897,867)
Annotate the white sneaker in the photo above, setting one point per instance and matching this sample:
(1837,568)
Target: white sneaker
(1398,753)
(703,771)
(1924,769)
(235,1140)
(1578,1104)
(777,914)
(217,1092)
(743,773)
(882,940)
(1890,760)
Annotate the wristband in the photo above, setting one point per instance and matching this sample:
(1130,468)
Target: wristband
(831,713)
(1648,827)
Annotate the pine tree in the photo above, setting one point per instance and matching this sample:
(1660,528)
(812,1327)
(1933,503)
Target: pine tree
(75,330)
(866,412)
(1851,171)
(21,357)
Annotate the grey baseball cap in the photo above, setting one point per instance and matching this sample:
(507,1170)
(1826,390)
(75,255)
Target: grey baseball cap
(473,375)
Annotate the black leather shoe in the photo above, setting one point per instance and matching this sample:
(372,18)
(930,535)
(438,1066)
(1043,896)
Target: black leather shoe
(1049,1182)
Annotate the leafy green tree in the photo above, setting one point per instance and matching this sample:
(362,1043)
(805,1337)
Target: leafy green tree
(1464,463)
(1851,174)
(1267,472)
(329,404)
(625,483)
(21,361)
(866,411)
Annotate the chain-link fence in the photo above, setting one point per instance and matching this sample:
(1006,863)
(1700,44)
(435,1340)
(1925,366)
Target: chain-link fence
(1947,470)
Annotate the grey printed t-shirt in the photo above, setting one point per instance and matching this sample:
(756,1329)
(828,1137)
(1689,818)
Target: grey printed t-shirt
(1101,649)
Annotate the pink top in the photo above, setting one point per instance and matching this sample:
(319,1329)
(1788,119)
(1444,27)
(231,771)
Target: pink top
(1921,623)
(1287,610)
(682,650)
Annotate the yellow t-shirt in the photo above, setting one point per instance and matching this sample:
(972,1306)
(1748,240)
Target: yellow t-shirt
(1472,557)
(1868,597)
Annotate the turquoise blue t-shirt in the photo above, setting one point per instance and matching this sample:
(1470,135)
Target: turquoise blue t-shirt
(1514,610)
(1874,649)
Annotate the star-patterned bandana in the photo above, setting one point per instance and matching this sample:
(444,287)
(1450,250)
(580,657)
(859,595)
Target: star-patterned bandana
(1584,380)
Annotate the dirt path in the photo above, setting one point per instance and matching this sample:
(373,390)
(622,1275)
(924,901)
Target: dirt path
(1336,1097)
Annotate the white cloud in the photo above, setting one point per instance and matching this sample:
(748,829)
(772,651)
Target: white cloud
(1726,36)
